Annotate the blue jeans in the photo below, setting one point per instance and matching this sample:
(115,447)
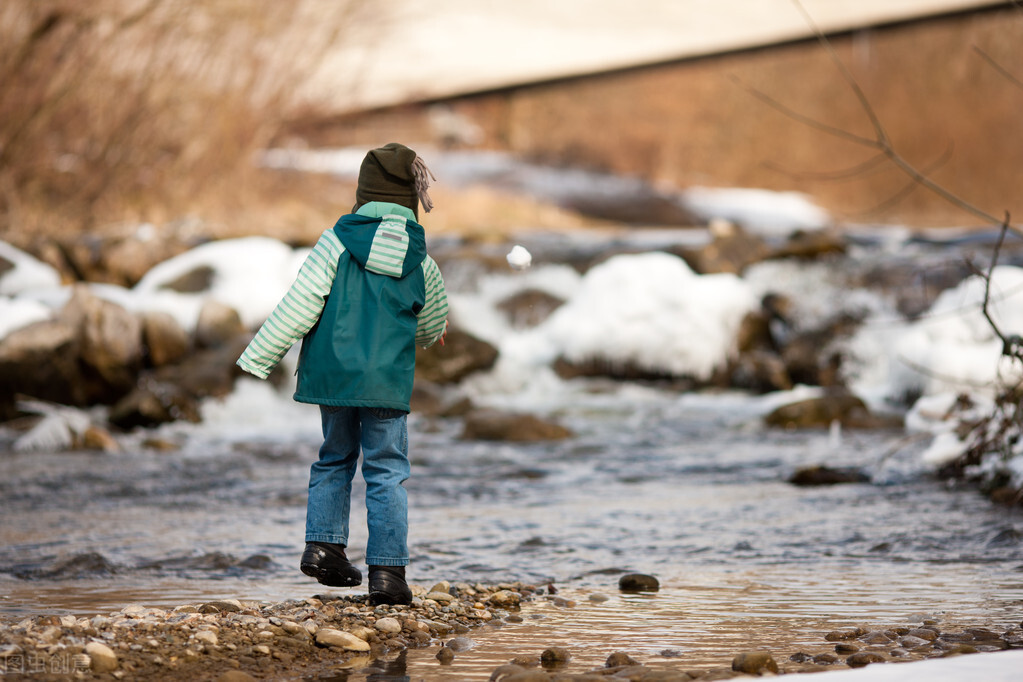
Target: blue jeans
(382,435)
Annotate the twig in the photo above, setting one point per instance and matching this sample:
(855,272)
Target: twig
(998,67)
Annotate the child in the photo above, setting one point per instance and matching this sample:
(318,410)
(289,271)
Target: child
(366,295)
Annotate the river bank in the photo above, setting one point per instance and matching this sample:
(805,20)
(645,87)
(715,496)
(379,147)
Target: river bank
(449,632)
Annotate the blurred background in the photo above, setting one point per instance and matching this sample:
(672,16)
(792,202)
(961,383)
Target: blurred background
(128,111)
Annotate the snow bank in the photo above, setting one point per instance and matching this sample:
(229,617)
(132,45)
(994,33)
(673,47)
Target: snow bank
(758,210)
(952,348)
(26,274)
(652,312)
(249,274)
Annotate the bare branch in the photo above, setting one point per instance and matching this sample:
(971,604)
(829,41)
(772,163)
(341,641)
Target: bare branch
(859,169)
(998,67)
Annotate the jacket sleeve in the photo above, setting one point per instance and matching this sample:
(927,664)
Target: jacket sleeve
(298,311)
(434,315)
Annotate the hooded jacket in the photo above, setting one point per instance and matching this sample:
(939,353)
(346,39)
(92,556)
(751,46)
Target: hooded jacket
(366,295)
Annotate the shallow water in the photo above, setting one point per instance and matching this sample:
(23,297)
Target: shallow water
(688,488)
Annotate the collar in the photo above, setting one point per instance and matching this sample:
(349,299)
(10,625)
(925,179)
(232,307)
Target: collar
(379,209)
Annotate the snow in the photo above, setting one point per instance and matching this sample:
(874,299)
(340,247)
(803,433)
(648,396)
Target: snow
(26,274)
(761,211)
(1003,666)
(652,312)
(951,348)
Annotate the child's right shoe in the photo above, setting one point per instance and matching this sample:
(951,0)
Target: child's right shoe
(328,564)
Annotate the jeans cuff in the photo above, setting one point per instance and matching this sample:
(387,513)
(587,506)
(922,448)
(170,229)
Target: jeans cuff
(326,537)
(386,562)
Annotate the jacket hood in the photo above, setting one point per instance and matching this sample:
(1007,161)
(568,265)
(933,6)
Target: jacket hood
(391,245)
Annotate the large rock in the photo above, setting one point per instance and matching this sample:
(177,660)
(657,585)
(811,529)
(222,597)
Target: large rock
(165,341)
(731,249)
(218,324)
(153,403)
(110,343)
(41,361)
(511,427)
(529,308)
(461,355)
(834,406)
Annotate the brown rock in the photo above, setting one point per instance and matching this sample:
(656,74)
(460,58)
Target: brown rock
(864,658)
(619,658)
(555,656)
(509,427)
(41,361)
(461,355)
(110,341)
(755,663)
(847,409)
(823,475)
(529,308)
(731,249)
(153,403)
(218,324)
(638,582)
(164,339)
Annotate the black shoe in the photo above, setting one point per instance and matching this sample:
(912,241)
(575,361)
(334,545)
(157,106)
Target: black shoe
(387,586)
(329,565)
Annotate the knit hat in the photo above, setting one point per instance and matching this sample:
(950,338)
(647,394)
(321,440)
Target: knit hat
(394,173)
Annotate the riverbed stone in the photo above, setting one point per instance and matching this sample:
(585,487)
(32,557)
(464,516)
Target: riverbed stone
(846,648)
(638,582)
(555,656)
(494,425)
(102,658)
(340,639)
(618,659)
(388,625)
(446,655)
(755,663)
(864,658)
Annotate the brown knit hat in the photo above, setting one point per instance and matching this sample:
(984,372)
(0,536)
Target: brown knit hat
(394,173)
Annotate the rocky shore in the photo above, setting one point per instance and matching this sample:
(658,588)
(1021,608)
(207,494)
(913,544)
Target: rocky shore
(233,641)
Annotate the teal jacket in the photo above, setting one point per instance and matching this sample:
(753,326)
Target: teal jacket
(365,297)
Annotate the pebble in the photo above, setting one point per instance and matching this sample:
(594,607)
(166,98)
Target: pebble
(102,658)
(341,639)
(387,625)
(638,582)
(863,658)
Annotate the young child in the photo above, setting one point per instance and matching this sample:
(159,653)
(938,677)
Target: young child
(364,298)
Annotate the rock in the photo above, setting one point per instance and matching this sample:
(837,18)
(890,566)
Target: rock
(102,658)
(961,649)
(760,371)
(445,655)
(529,307)
(923,633)
(864,658)
(731,249)
(41,360)
(505,598)
(911,642)
(163,338)
(638,582)
(388,625)
(207,637)
(503,671)
(839,406)
(755,663)
(340,639)
(824,475)
(110,342)
(554,656)
(153,403)
(98,438)
(492,425)
(839,635)
(619,658)
(217,324)
(461,355)
(440,597)
(846,648)
(235,676)
(459,644)
(810,244)
(825,659)
(442,586)
(197,280)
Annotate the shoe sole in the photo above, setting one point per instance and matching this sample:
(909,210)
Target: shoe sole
(330,578)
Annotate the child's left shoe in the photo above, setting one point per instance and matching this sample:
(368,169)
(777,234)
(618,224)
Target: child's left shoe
(387,586)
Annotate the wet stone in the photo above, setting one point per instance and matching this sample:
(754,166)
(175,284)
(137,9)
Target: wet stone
(754,663)
(864,658)
(923,633)
(619,658)
(825,659)
(846,648)
(555,656)
(445,655)
(839,635)
(638,582)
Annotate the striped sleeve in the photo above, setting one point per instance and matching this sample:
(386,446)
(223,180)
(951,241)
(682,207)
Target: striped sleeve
(434,315)
(298,311)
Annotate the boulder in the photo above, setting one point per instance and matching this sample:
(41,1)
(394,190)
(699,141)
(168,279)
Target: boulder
(153,403)
(529,308)
(511,427)
(638,582)
(164,339)
(110,343)
(218,324)
(41,360)
(810,245)
(847,409)
(461,355)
